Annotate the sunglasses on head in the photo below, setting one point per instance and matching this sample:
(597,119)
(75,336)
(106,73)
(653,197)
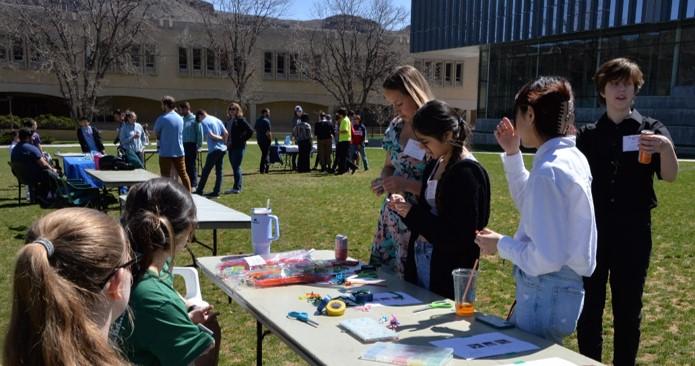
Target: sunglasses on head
(128,265)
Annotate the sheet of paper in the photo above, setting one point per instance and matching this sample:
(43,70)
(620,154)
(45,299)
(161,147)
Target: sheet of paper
(553,361)
(254,260)
(631,143)
(414,150)
(395,298)
(485,345)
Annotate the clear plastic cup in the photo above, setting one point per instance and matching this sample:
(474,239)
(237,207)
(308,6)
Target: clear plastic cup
(464,290)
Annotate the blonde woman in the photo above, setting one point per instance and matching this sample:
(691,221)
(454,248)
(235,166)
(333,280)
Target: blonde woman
(406,90)
(71,280)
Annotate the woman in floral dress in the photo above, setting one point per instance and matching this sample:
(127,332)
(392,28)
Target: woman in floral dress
(406,89)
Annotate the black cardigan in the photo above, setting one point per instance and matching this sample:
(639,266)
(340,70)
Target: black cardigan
(83,142)
(463,192)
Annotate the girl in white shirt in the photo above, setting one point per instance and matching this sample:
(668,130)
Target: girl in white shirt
(555,244)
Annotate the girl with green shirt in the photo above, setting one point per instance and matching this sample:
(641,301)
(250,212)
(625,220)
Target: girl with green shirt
(160,217)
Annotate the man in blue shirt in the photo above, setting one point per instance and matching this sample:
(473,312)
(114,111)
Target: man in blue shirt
(169,131)
(217,136)
(263,136)
(29,164)
(192,140)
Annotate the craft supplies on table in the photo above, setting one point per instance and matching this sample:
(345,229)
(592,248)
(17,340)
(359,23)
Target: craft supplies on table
(335,308)
(395,298)
(442,304)
(368,330)
(302,317)
(485,345)
(408,354)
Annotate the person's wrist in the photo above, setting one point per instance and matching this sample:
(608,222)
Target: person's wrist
(511,152)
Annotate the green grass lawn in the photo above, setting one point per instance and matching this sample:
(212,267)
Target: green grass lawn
(313,208)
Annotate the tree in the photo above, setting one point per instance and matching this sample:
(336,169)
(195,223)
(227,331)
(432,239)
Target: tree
(233,31)
(357,47)
(79,41)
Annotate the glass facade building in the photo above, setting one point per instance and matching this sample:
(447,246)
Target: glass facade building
(521,39)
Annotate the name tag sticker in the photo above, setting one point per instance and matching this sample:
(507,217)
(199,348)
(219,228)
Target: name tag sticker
(631,143)
(414,150)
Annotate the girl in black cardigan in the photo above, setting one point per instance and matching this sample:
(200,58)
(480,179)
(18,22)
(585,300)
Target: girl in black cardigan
(454,202)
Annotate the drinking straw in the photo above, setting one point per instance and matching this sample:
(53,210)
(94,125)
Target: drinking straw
(470,280)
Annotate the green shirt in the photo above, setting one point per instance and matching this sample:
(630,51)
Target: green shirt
(162,334)
(345,130)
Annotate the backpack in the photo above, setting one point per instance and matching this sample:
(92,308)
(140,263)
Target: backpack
(110,162)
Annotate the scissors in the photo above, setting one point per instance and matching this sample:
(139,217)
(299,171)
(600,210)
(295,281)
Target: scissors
(442,304)
(302,317)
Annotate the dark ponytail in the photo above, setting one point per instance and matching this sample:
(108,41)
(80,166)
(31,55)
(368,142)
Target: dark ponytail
(435,119)
(552,101)
(156,212)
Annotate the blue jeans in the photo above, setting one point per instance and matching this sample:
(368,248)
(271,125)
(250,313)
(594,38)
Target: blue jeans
(423,260)
(548,305)
(215,158)
(360,149)
(236,155)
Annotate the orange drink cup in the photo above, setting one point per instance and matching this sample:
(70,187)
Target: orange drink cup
(645,157)
(464,290)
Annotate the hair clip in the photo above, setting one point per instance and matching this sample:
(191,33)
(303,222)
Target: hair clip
(565,117)
(47,244)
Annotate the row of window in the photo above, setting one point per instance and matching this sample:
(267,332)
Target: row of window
(441,73)
(13,50)
(206,62)
(279,65)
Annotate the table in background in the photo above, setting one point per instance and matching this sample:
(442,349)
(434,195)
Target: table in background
(213,216)
(118,178)
(74,168)
(328,344)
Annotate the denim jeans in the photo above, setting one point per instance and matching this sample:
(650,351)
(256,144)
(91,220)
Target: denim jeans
(191,151)
(423,259)
(360,149)
(215,158)
(548,305)
(236,155)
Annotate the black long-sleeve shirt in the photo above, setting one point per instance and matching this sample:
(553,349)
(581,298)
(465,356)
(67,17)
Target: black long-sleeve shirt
(463,206)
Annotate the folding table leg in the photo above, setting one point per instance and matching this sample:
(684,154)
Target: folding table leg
(214,242)
(260,334)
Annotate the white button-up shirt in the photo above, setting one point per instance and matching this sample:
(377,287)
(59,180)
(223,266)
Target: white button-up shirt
(558,226)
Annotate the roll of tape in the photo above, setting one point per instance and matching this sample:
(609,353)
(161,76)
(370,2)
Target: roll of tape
(335,308)
(363,297)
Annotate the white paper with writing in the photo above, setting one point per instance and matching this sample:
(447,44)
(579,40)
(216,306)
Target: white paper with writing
(631,143)
(254,261)
(414,150)
(485,345)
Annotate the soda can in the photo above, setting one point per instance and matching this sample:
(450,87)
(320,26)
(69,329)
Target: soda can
(341,247)
(645,157)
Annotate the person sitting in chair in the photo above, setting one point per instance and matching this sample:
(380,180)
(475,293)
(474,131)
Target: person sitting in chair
(32,167)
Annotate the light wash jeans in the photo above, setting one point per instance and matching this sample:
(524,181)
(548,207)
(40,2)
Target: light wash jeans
(423,259)
(548,305)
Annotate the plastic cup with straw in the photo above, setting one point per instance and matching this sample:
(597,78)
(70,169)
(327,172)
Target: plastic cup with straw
(464,289)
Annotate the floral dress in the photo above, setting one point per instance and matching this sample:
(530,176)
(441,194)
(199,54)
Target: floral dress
(390,245)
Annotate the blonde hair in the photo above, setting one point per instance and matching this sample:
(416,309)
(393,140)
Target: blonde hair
(57,300)
(239,111)
(409,81)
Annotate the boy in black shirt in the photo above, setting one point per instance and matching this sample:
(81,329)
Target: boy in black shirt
(623,194)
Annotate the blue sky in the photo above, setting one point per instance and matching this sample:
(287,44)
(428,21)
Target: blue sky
(304,9)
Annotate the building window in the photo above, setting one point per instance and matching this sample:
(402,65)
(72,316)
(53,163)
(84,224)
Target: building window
(224,62)
(280,65)
(197,59)
(135,59)
(4,51)
(210,61)
(294,72)
(428,70)
(268,64)
(17,50)
(150,60)
(438,72)
(459,74)
(34,57)
(447,74)
(183,59)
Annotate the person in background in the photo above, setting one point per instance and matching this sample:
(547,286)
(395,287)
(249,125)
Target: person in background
(359,140)
(71,281)
(118,119)
(302,135)
(344,138)
(623,192)
(324,142)
(296,119)
(14,139)
(406,90)
(555,244)
(217,135)
(89,137)
(239,132)
(165,329)
(264,138)
(34,169)
(192,136)
(132,138)
(169,131)
(454,202)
